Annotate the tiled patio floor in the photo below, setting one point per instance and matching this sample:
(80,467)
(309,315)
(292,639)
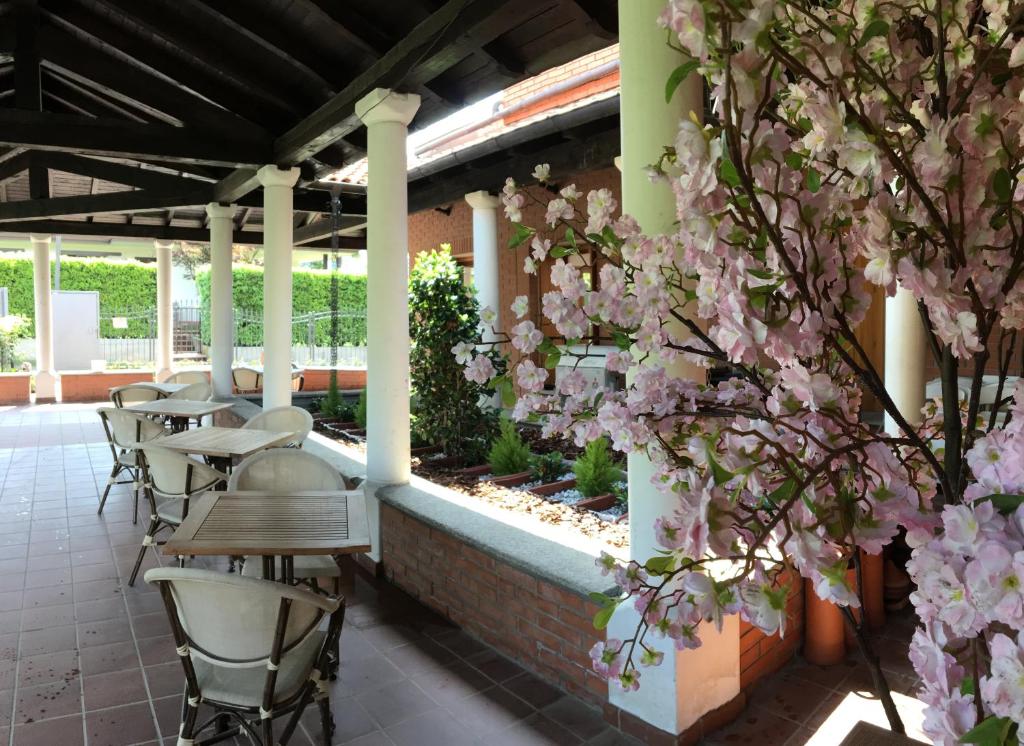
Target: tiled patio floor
(86,660)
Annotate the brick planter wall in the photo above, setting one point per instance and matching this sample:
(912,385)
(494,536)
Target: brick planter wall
(95,385)
(761,655)
(544,628)
(318,379)
(15,388)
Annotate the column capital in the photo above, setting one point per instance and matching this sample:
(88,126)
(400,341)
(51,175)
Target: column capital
(384,105)
(39,237)
(482,200)
(216,210)
(272,176)
(161,244)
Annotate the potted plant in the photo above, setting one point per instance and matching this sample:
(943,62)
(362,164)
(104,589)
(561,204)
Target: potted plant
(596,475)
(509,458)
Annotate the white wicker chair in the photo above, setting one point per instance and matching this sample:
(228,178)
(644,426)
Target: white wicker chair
(135,393)
(189,376)
(286,420)
(171,479)
(252,650)
(125,431)
(246,380)
(199,391)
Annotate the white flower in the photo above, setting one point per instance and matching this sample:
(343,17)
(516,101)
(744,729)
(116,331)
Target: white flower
(1017,54)
(530,377)
(480,370)
(570,192)
(463,352)
(526,337)
(520,306)
(542,172)
(488,316)
(530,266)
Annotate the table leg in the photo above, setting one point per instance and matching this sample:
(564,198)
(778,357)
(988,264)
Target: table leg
(179,424)
(288,570)
(268,567)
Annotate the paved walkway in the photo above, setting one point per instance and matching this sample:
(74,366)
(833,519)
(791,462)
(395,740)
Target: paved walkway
(84,659)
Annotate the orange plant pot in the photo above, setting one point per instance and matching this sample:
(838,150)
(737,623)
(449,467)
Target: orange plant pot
(824,639)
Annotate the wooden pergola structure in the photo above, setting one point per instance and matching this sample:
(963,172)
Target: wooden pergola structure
(123,119)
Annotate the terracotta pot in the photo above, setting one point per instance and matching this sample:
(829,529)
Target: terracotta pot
(824,642)
(512,480)
(598,502)
(553,487)
(624,518)
(476,471)
(897,587)
(872,570)
(424,450)
(444,461)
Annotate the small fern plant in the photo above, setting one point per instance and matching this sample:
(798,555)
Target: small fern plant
(595,470)
(509,455)
(360,414)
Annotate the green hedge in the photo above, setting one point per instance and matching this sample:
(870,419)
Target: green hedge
(122,288)
(311,293)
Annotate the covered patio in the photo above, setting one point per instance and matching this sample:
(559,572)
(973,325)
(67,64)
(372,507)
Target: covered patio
(195,122)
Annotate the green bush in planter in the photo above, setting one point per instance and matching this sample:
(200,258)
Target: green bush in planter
(509,455)
(12,328)
(548,467)
(443,312)
(360,413)
(596,472)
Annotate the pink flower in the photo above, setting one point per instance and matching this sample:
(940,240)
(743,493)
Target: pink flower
(1003,689)
(480,369)
(526,337)
(607,658)
(529,377)
(558,209)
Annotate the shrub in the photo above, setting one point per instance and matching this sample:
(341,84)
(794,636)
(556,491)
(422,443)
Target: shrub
(360,413)
(12,328)
(548,468)
(334,404)
(596,473)
(442,313)
(509,455)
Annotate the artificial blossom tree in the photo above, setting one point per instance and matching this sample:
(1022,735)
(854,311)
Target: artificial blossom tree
(848,144)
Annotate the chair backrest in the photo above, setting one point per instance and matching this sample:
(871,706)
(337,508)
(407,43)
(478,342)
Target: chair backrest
(125,429)
(173,474)
(246,379)
(199,391)
(134,393)
(204,608)
(285,470)
(189,376)
(284,420)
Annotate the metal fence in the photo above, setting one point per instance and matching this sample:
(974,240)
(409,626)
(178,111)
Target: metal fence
(129,336)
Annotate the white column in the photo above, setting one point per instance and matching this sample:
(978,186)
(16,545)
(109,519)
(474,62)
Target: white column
(164,309)
(387,115)
(222,329)
(905,352)
(485,251)
(277,284)
(688,684)
(45,376)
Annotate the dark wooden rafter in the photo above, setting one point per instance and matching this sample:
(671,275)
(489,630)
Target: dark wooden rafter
(113,137)
(426,52)
(143,231)
(323,228)
(27,86)
(119,173)
(601,19)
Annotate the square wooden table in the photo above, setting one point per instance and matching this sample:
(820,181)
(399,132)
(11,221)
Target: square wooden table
(164,388)
(273,524)
(222,444)
(178,411)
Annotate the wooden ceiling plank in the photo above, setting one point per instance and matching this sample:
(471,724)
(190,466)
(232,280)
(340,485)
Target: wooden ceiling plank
(119,173)
(47,131)
(422,55)
(14,166)
(119,202)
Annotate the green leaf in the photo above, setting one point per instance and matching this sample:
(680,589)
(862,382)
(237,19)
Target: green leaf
(1005,504)
(967,686)
(719,472)
(783,492)
(603,616)
(602,599)
(678,76)
(551,359)
(660,565)
(547,347)
(570,237)
(878,27)
(991,731)
(727,172)
(520,235)
(622,340)
(1002,185)
(506,392)
(558,252)
(813,180)
(794,160)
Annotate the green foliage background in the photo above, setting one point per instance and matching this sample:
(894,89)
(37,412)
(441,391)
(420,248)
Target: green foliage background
(443,311)
(311,292)
(122,287)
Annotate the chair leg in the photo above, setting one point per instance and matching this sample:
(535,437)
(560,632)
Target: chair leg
(188,723)
(148,541)
(326,720)
(110,483)
(267,729)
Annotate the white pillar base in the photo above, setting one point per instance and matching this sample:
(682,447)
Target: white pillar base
(164,310)
(905,353)
(46,386)
(222,325)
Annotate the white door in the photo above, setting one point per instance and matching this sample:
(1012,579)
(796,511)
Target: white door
(76,329)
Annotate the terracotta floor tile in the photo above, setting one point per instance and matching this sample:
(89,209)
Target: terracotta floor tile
(48,668)
(48,701)
(391,704)
(66,731)
(435,728)
(113,689)
(118,726)
(756,728)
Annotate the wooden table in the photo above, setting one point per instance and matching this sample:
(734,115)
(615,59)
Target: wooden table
(222,444)
(178,411)
(272,524)
(164,388)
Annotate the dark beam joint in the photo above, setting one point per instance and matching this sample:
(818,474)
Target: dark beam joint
(27,88)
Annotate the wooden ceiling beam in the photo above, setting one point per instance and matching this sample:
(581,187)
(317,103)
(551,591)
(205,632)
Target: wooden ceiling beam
(322,228)
(137,231)
(15,165)
(46,131)
(119,202)
(89,99)
(119,173)
(429,49)
(27,88)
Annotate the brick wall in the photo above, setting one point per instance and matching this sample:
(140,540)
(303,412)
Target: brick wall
(96,385)
(544,628)
(761,654)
